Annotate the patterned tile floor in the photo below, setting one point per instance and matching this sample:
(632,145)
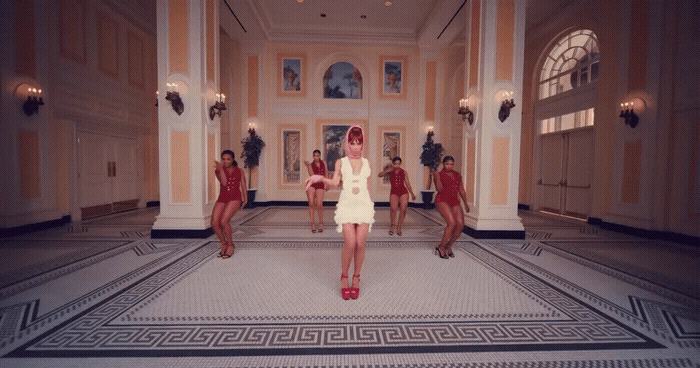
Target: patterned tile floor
(102,293)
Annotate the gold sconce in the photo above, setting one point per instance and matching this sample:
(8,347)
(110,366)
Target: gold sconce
(34,100)
(218,107)
(506,105)
(173,96)
(465,112)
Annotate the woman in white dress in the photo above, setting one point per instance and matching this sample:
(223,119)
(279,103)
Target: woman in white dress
(354,212)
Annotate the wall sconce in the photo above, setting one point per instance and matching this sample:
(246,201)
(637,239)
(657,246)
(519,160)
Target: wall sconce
(506,105)
(218,107)
(465,112)
(173,96)
(430,133)
(157,93)
(251,128)
(34,100)
(627,112)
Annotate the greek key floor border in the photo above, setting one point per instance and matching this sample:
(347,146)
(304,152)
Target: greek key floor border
(95,332)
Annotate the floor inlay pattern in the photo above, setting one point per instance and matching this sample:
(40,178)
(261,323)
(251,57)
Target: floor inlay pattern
(561,322)
(102,293)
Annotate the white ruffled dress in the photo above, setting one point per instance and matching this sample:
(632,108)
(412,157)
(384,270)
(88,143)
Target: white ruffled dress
(354,208)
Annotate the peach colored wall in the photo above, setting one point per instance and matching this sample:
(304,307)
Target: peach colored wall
(72,30)
(499,170)
(474,37)
(430,82)
(177,36)
(107,45)
(471,169)
(638,45)
(211,176)
(25,43)
(631,171)
(61,162)
(211,40)
(29,164)
(253,70)
(136,61)
(694,177)
(180,166)
(230,84)
(505,39)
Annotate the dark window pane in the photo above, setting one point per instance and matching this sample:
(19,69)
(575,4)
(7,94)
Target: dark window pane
(594,72)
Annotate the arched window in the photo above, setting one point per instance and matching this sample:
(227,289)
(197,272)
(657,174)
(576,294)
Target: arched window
(573,62)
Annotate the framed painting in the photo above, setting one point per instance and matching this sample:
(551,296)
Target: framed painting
(332,138)
(342,80)
(291,143)
(392,68)
(392,144)
(291,75)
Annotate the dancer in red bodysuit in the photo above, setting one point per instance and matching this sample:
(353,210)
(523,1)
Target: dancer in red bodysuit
(315,192)
(448,183)
(400,187)
(232,196)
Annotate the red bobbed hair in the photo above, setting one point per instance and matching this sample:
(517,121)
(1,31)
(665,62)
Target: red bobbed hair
(355,134)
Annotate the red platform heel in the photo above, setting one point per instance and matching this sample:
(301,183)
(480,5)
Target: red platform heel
(345,292)
(355,291)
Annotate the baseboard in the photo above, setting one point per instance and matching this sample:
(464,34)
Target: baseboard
(12,231)
(494,234)
(326,203)
(522,206)
(153,204)
(181,233)
(644,233)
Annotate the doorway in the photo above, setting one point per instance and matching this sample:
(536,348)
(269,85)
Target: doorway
(108,177)
(566,167)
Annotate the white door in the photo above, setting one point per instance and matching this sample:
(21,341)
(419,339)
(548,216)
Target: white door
(579,169)
(108,178)
(551,164)
(125,172)
(94,183)
(566,166)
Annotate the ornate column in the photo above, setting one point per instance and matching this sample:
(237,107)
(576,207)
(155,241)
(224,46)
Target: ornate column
(188,82)
(494,55)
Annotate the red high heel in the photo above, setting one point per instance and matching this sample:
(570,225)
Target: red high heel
(355,291)
(345,292)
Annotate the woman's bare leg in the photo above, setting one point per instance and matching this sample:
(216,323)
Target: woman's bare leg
(319,207)
(446,213)
(229,211)
(349,245)
(361,231)
(310,195)
(458,216)
(216,224)
(403,203)
(393,207)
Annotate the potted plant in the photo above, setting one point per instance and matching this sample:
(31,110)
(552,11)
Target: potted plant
(430,157)
(252,148)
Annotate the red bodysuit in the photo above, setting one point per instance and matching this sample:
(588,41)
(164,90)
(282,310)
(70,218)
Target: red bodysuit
(398,182)
(231,190)
(450,188)
(319,170)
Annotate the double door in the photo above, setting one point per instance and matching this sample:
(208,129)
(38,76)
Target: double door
(108,178)
(566,167)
